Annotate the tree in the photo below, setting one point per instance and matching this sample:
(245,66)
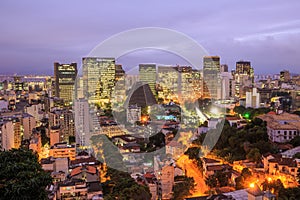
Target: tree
(211,181)
(121,186)
(107,152)
(275,186)
(246,173)
(254,155)
(289,193)
(297,112)
(295,141)
(222,178)
(239,183)
(239,109)
(22,176)
(183,187)
(193,153)
(297,155)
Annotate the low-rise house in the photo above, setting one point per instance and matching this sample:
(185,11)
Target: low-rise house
(281,127)
(122,140)
(211,166)
(276,164)
(291,153)
(58,177)
(84,160)
(79,189)
(87,173)
(63,150)
(131,147)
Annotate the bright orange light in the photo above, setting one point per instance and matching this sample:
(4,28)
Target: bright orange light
(144,119)
(269,179)
(252,185)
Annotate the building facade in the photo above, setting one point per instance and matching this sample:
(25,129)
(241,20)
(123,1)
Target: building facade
(211,77)
(147,74)
(65,78)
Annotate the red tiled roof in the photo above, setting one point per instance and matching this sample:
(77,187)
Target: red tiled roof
(88,169)
(149,175)
(215,168)
(209,160)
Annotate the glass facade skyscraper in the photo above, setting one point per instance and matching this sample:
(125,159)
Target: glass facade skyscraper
(211,77)
(65,77)
(98,79)
(147,74)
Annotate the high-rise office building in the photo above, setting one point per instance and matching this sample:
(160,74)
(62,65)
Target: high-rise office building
(243,67)
(98,79)
(211,77)
(179,83)
(147,74)
(244,78)
(185,82)
(120,89)
(167,79)
(65,77)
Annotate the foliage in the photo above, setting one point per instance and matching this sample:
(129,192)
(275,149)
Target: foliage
(211,181)
(239,109)
(238,144)
(22,176)
(254,155)
(193,153)
(295,141)
(107,152)
(275,186)
(246,173)
(241,181)
(250,113)
(158,140)
(219,179)
(121,186)
(289,193)
(297,112)
(183,187)
(297,155)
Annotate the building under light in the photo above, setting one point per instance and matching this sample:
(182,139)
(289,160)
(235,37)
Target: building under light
(244,78)
(65,77)
(211,77)
(147,74)
(98,79)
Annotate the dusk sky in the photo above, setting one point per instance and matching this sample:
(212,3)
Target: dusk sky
(35,33)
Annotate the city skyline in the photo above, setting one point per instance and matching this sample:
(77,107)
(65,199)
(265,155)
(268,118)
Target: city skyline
(43,33)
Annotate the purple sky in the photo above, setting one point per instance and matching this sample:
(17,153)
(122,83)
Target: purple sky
(34,34)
